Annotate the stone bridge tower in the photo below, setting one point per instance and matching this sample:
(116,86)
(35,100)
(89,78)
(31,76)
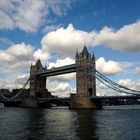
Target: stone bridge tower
(37,86)
(85,82)
(86,85)
(37,83)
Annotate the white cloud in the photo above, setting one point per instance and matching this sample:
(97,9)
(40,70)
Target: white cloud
(126,38)
(103,90)
(64,77)
(59,85)
(59,63)
(61,89)
(129,83)
(66,41)
(14,80)
(111,67)
(16,53)
(29,15)
(43,56)
(14,63)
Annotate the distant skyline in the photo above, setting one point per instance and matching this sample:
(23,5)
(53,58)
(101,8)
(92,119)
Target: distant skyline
(52,30)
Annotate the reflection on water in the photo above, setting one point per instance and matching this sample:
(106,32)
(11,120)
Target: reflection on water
(111,123)
(86,124)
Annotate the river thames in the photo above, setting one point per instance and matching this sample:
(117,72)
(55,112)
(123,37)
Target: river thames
(110,123)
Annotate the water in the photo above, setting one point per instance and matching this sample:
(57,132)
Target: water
(111,123)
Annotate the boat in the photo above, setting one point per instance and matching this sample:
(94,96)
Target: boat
(1,105)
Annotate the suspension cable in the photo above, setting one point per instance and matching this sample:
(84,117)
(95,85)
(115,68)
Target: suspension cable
(13,97)
(111,84)
(116,83)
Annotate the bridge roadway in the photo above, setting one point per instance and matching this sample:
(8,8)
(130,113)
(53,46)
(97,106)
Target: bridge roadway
(67,98)
(114,97)
(59,70)
(39,99)
(43,102)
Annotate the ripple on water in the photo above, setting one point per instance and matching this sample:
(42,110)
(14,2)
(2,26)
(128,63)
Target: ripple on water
(110,123)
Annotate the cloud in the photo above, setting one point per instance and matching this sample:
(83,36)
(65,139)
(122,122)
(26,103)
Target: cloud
(61,89)
(29,15)
(59,63)
(129,83)
(103,90)
(24,15)
(60,85)
(43,56)
(111,67)
(136,70)
(59,7)
(126,38)
(14,63)
(67,40)
(50,28)
(14,80)
(16,53)
(64,77)
(108,68)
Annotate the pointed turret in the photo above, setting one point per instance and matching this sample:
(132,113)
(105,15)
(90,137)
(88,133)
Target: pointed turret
(85,51)
(45,68)
(93,56)
(38,65)
(76,53)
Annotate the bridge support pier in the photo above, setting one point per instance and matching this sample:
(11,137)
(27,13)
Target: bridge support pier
(29,103)
(83,102)
(77,102)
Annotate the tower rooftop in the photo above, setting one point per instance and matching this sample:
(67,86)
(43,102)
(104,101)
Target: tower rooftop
(85,51)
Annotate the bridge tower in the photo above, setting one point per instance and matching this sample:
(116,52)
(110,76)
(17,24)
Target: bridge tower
(85,83)
(37,85)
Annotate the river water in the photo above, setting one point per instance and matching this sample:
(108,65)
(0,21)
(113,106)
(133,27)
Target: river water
(110,123)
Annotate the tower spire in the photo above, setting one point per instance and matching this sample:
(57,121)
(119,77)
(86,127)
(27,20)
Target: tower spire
(76,52)
(85,51)
(93,56)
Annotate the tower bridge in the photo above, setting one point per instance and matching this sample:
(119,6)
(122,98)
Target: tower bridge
(86,75)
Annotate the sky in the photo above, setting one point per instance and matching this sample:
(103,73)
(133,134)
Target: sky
(52,30)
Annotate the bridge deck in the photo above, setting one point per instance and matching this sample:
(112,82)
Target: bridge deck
(114,97)
(57,71)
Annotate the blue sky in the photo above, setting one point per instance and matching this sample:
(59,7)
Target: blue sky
(53,30)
